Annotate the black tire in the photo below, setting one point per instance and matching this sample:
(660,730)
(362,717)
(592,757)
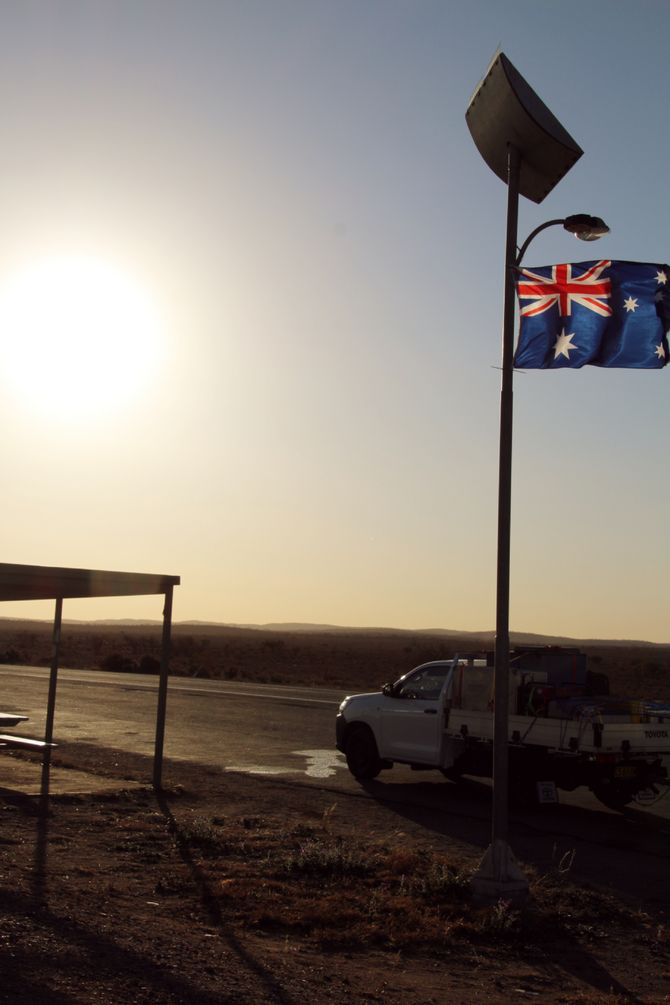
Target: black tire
(361,753)
(524,773)
(613,796)
(452,774)
(523,791)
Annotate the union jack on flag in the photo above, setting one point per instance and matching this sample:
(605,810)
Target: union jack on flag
(563,288)
(614,314)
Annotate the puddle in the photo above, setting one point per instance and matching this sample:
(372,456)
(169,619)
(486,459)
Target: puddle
(320,764)
(259,769)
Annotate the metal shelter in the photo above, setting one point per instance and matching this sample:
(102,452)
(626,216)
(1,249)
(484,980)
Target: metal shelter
(36,582)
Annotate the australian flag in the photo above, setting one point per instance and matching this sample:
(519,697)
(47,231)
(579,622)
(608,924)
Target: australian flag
(594,313)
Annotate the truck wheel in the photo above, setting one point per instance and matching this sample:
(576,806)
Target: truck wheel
(524,773)
(522,790)
(362,755)
(452,774)
(613,796)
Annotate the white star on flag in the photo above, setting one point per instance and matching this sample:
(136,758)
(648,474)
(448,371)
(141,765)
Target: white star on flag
(660,351)
(630,304)
(661,278)
(563,345)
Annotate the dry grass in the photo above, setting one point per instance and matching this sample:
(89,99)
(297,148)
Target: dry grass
(340,892)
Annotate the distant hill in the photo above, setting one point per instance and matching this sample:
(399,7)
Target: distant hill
(479,638)
(488,636)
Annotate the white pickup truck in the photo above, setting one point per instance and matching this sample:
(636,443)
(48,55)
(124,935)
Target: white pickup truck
(440,715)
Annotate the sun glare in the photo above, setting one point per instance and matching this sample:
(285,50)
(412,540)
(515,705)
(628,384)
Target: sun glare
(77,336)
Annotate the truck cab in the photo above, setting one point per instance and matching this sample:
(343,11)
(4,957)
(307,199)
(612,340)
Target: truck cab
(404,722)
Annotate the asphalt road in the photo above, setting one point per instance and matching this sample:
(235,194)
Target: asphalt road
(286,733)
(230,725)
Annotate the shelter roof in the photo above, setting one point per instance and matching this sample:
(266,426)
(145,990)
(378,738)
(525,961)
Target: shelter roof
(41,582)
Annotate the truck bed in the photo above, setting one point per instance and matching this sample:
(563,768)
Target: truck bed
(598,734)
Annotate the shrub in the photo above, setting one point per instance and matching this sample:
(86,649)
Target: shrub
(325,859)
(149,664)
(116,663)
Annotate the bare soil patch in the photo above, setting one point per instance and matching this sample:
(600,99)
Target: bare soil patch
(226,889)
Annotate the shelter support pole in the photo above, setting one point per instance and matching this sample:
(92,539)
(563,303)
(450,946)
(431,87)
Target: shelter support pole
(498,874)
(53,679)
(162,689)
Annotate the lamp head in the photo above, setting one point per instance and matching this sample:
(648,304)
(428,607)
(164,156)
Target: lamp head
(586,228)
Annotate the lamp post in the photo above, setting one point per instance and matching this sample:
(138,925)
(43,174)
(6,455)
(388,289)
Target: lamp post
(527,147)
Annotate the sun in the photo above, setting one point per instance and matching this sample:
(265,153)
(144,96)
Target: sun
(77,336)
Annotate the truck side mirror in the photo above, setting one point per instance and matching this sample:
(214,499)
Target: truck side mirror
(387,689)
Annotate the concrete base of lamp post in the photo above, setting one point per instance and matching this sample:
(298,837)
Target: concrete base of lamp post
(499,877)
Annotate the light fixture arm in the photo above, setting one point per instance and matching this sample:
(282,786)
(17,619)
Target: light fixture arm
(583,226)
(533,234)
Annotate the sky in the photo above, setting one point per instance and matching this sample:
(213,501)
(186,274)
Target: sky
(251,271)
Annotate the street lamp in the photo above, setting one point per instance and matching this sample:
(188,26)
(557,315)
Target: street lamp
(528,148)
(583,226)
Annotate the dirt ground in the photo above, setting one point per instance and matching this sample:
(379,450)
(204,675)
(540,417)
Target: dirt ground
(231,889)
